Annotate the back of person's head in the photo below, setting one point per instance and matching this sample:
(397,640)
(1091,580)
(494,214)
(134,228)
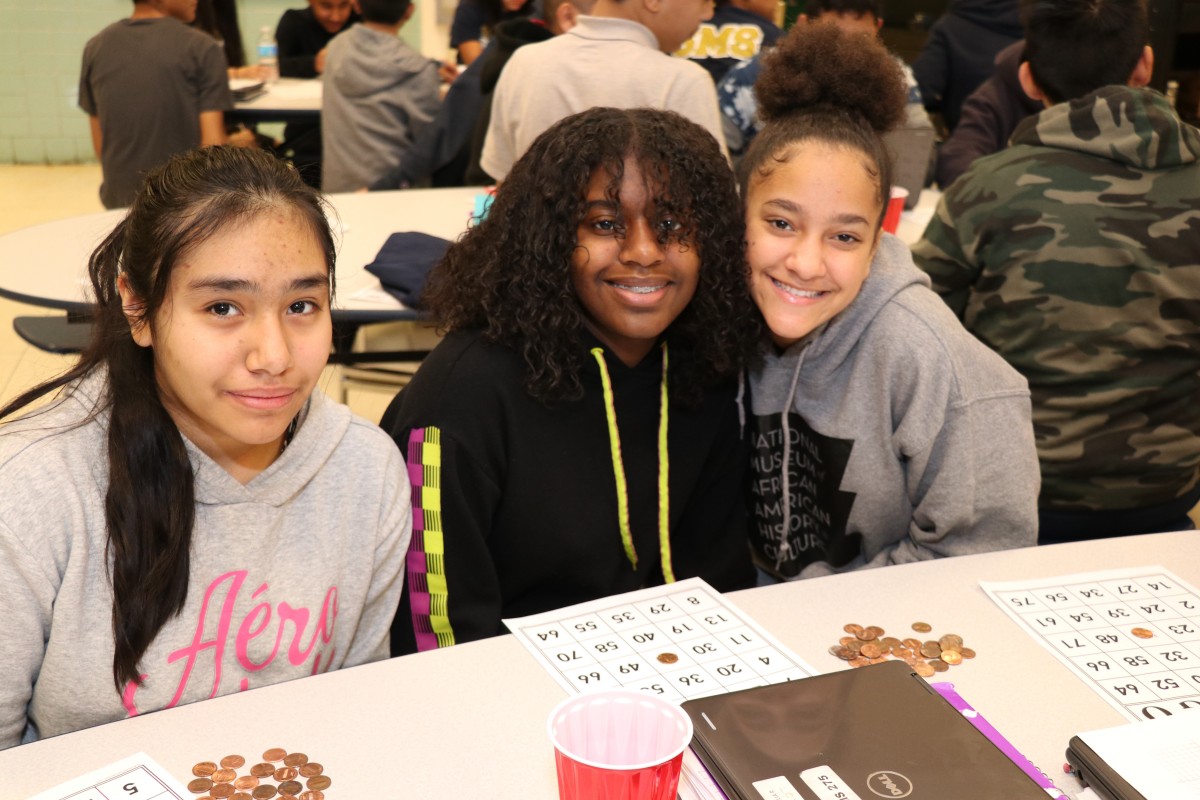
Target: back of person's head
(561,15)
(1074,47)
(511,275)
(824,85)
(854,8)
(150,501)
(385,12)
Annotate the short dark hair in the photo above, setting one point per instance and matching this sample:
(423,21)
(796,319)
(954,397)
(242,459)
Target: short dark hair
(855,7)
(386,12)
(1075,47)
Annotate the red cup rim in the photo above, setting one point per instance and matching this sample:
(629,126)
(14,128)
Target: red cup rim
(632,694)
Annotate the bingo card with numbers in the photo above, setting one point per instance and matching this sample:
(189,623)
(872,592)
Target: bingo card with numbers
(1133,635)
(680,641)
(137,777)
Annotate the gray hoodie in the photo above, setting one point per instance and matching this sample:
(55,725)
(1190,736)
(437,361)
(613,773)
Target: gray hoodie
(377,94)
(294,573)
(906,438)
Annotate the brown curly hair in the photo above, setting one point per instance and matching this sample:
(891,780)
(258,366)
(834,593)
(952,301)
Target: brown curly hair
(510,276)
(820,83)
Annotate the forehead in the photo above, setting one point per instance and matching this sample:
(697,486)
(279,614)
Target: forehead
(329,5)
(816,166)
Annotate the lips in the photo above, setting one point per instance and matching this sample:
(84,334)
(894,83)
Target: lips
(264,399)
(799,294)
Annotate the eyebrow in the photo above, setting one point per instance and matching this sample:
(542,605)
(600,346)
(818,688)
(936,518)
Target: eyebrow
(315,281)
(795,208)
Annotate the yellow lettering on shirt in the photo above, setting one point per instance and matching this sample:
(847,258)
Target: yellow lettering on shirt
(729,41)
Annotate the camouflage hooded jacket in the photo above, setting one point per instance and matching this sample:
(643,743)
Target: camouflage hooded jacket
(1075,254)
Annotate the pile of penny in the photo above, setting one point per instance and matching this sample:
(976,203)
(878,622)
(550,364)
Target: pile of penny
(281,775)
(869,645)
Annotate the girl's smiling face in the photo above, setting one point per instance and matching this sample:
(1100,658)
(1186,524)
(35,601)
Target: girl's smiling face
(812,227)
(629,269)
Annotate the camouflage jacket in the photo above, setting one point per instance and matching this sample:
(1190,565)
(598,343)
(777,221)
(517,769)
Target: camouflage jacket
(1075,254)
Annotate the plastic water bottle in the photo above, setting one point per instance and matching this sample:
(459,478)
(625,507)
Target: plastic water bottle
(268,54)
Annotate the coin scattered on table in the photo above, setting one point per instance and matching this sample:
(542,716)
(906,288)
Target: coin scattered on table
(233,762)
(871,645)
(922,627)
(204,769)
(276,776)
(1143,633)
(667,658)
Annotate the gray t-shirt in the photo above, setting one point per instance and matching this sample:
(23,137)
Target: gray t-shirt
(148,80)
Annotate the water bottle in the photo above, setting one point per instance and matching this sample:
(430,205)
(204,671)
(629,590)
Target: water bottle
(268,54)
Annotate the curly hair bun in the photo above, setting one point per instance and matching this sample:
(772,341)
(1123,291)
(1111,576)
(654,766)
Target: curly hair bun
(818,66)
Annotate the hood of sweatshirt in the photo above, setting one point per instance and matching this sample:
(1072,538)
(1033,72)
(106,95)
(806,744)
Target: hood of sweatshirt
(1133,127)
(1000,16)
(508,37)
(370,62)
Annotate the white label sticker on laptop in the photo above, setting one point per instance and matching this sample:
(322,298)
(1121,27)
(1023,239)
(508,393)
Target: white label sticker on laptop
(777,789)
(826,783)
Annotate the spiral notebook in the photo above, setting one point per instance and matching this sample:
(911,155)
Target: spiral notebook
(878,731)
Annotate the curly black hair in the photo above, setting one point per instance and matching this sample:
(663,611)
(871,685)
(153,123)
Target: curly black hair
(820,83)
(510,276)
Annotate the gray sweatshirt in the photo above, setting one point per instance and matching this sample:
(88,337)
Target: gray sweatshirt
(377,94)
(906,438)
(297,572)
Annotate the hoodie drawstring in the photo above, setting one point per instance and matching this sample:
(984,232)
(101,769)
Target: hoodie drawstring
(785,546)
(664,492)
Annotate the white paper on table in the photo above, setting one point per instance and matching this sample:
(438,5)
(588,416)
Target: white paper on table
(1161,760)
(1132,635)
(138,776)
(297,90)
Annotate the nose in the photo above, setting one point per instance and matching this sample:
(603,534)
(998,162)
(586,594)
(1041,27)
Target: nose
(640,246)
(806,258)
(269,351)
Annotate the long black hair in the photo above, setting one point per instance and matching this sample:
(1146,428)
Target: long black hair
(150,500)
(511,275)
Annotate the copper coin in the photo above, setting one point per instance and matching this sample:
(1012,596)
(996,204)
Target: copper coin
(290,787)
(938,665)
(232,762)
(275,754)
(262,770)
(224,775)
(837,648)
(922,627)
(855,646)
(844,653)
(312,795)
(285,773)
(871,650)
(867,635)
(912,644)
(319,782)
(264,792)
(222,791)
(923,669)
(859,661)
(950,640)
(241,796)
(204,769)
(200,785)
(245,782)
(288,797)
(875,629)
(295,759)
(931,650)
(667,658)
(952,657)
(310,769)
(852,629)
(845,640)
(892,642)
(967,652)
(1143,633)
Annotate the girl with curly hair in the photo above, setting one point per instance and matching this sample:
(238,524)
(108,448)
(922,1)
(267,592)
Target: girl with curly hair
(884,432)
(576,434)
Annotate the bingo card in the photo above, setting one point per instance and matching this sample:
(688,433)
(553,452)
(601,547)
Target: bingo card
(680,641)
(137,777)
(1133,635)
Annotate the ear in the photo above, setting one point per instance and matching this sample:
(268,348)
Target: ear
(565,17)
(139,326)
(653,6)
(1143,69)
(1025,76)
(408,12)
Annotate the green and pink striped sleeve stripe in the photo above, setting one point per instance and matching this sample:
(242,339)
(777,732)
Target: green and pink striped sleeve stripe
(426,566)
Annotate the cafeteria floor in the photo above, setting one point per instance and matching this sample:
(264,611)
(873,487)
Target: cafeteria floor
(30,194)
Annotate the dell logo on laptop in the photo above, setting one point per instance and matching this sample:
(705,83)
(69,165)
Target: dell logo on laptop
(886,783)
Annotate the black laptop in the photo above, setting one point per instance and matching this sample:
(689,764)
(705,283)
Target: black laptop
(878,731)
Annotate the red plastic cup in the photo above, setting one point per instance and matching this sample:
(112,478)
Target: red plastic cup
(618,744)
(891,219)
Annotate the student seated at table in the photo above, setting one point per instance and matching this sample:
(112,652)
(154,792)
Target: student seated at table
(473,18)
(187,517)
(883,432)
(151,87)
(378,93)
(575,434)
(1075,255)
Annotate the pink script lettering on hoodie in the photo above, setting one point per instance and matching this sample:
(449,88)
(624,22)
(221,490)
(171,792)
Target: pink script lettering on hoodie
(251,626)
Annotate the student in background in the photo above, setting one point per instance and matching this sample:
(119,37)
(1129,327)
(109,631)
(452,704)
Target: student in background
(378,94)
(472,18)
(738,31)
(883,432)
(151,87)
(576,430)
(215,524)
(1075,255)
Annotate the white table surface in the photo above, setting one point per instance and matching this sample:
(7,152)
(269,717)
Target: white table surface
(287,95)
(470,721)
(46,264)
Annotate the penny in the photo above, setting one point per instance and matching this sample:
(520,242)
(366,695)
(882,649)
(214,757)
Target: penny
(845,653)
(312,795)
(295,759)
(923,669)
(950,640)
(245,782)
(912,644)
(262,770)
(922,627)
(852,628)
(222,791)
(952,657)
(931,650)
(967,652)
(667,658)
(224,775)
(285,773)
(264,792)
(310,769)
(855,646)
(275,754)
(204,769)
(892,642)
(871,650)
(200,785)
(319,782)
(837,649)
(875,629)
(290,787)
(845,640)
(938,665)
(1143,633)
(241,796)
(288,797)
(867,635)
(859,661)
(232,762)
